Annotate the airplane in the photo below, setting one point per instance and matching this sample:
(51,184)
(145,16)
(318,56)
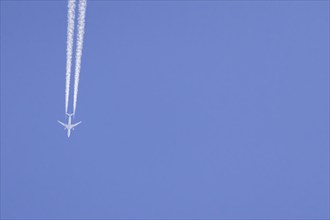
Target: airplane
(69,126)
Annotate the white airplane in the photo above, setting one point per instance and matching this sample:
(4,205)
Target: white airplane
(69,126)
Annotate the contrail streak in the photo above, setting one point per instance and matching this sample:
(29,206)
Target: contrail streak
(69,44)
(80,41)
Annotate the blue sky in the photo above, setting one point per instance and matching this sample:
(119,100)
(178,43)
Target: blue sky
(190,109)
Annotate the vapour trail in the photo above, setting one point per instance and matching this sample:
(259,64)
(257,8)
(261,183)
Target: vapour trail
(69,45)
(79,47)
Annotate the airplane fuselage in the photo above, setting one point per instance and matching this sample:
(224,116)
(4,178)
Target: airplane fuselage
(69,126)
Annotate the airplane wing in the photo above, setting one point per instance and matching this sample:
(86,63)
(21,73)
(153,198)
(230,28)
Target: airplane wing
(74,125)
(65,125)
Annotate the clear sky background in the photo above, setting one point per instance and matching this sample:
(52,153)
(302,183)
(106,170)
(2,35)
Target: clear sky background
(190,109)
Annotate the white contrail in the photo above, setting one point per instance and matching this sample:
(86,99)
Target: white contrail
(80,41)
(69,45)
